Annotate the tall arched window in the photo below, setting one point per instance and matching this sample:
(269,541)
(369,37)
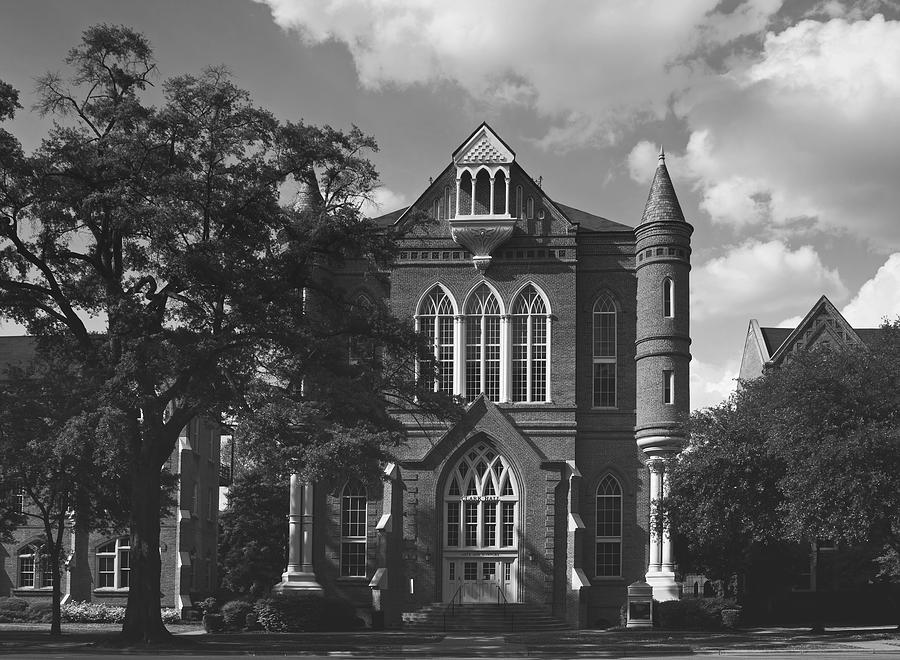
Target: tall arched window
(669,298)
(529,347)
(480,501)
(464,193)
(604,351)
(354,516)
(609,528)
(362,348)
(483,345)
(114,564)
(436,324)
(499,193)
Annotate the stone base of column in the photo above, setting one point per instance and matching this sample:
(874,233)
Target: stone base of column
(664,585)
(294,581)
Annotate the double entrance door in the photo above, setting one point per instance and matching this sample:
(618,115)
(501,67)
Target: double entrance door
(480,579)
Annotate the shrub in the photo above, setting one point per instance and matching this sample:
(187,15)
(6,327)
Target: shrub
(235,612)
(213,623)
(693,613)
(731,618)
(170,615)
(40,611)
(85,612)
(13,604)
(209,605)
(304,613)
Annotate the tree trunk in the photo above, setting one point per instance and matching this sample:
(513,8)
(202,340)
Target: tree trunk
(56,612)
(143,617)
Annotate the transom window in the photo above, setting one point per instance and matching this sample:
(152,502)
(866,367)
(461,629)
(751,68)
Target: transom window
(483,345)
(436,323)
(480,501)
(609,528)
(529,347)
(604,350)
(114,564)
(354,519)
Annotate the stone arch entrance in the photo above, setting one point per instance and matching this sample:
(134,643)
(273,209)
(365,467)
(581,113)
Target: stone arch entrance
(480,538)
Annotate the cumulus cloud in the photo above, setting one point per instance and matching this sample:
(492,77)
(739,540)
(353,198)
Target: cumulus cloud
(383,200)
(591,67)
(712,383)
(878,299)
(760,279)
(805,132)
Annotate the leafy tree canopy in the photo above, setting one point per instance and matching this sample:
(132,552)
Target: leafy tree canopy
(164,223)
(810,450)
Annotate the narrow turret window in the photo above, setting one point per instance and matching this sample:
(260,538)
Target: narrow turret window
(669,298)
(668,386)
(604,351)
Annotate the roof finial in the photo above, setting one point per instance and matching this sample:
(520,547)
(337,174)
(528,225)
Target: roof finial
(662,154)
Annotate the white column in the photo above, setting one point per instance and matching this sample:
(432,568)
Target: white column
(457,195)
(300,574)
(505,358)
(661,569)
(491,210)
(459,354)
(472,201)
(655,555)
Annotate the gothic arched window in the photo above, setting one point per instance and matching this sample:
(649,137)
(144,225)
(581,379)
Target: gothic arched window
(354,516)
(482,345)
(436,324)
(609,528)
(604,351)
(530,347)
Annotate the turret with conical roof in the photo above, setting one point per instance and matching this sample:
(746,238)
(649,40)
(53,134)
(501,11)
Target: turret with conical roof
(662,350)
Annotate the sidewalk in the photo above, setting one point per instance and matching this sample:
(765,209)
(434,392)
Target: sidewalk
(20,640)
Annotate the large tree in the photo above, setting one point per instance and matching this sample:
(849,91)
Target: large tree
(810,450)
(165,224)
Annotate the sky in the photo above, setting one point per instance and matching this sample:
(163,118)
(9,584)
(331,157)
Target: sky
(780,119)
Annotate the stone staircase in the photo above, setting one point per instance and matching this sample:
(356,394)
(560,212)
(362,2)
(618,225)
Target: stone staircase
(480,617)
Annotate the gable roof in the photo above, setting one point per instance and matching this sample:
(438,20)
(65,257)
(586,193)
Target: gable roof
(589,221)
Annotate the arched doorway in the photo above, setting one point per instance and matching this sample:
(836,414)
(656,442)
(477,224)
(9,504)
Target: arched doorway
(481,513)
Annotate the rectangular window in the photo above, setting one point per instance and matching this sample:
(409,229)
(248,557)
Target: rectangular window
(509,518)
(473,357)
(492,358)
(668,386)
(471,523)
(604,384)
(26,571)
(46,573)
(451,571)
(124,568)
(489,570)
(609,559)
(507,571)
(538,359)
(520,358)
(106,575)
(470,570)
(489,531)
(353,558)
(453,524)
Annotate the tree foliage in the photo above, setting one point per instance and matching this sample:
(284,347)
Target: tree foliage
(810,450)
(253,535)
(165,224)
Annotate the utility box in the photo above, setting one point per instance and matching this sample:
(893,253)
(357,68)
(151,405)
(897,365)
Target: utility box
(640,605)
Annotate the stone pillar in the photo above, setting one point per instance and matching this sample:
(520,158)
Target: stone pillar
(300,575)
(661,568)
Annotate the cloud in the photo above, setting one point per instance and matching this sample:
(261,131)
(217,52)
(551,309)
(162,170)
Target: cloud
(592,67)
(758,279)
(878,298)
(803,133)
(383,200)
(712,383)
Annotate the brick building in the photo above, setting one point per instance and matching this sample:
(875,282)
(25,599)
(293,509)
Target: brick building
(568,336)
(97,565)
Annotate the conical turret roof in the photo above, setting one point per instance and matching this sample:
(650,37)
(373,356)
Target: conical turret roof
(308,195)
(662,202)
